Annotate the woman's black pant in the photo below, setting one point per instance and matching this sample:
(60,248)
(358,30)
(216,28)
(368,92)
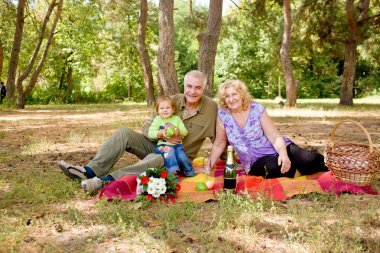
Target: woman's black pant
(306,162)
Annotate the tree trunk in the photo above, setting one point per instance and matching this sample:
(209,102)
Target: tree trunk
(33,79)
(1,58)
(13,62)
(130,90)
(70,86)
(33,58)
(144,55)
(65,75)
(165,56)
(21,101)
(291,90)
(346,90)
(62,79)
(208,43)
(350,54)
(160,89)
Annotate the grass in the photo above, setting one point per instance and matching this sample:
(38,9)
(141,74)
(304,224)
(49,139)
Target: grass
(43,211)
(37,146)
(125,106)
(370,103)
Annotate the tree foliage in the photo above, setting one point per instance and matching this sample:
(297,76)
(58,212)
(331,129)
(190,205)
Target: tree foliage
(94,55)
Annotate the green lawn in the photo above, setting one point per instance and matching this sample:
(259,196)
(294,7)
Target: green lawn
(43,211)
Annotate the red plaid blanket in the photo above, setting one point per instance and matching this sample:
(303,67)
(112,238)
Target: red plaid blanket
(273,189)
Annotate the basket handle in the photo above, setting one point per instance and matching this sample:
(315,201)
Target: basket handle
(356,123)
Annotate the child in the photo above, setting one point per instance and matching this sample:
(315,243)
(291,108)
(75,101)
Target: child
(175,157)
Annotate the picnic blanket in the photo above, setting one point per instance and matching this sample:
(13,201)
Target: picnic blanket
(271,189)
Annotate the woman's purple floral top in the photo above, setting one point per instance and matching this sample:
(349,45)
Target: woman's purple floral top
(250,141)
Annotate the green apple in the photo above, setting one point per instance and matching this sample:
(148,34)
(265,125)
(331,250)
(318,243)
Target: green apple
(201,186)
(170,131)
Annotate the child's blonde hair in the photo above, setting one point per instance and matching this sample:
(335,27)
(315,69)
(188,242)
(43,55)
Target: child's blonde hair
(167,99)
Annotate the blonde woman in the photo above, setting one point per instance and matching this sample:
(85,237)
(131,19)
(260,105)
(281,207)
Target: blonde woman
(263,151)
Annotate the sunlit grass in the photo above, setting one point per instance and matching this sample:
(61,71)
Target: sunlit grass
(4,186)
(76,137)
(328,103)
(327,215)
(371,103)
(35,196)
(130,122)
(90,107)
(36,187)
(324,108)
(37,146)
(86,136)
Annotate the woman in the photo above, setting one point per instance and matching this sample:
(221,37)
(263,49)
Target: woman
(263,151)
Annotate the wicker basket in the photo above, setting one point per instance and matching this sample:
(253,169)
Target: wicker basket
(352,162)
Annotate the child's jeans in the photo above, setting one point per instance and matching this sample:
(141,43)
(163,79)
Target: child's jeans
(176,159)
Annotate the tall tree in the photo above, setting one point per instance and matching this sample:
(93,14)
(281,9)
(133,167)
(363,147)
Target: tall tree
(24,74)
(22,93)
(291,89)
(165,57)
(144,55)
(348,23)
(209,42)
(13,62)
(355,33)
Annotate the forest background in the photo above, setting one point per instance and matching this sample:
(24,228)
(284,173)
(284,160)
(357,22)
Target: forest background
(94,56)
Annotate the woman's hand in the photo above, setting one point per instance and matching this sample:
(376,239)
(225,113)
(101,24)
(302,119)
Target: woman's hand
(207,167)
(285,163)
(277,141)
(218,146)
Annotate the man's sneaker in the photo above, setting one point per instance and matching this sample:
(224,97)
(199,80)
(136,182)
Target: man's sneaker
(92,184)
(72,171)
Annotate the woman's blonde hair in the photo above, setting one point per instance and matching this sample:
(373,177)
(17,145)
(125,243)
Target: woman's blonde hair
(240,87)
(167,99)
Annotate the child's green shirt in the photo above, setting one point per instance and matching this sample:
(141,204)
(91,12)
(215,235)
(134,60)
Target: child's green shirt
(158,121)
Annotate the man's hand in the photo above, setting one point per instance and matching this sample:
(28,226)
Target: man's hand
(176,132)
(175,139)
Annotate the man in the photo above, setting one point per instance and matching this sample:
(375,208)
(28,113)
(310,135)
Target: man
(3,92)
(198,113)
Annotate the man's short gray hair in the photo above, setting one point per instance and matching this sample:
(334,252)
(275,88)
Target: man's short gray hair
(197,74)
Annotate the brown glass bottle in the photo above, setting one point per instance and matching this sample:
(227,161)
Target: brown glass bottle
(230,170)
